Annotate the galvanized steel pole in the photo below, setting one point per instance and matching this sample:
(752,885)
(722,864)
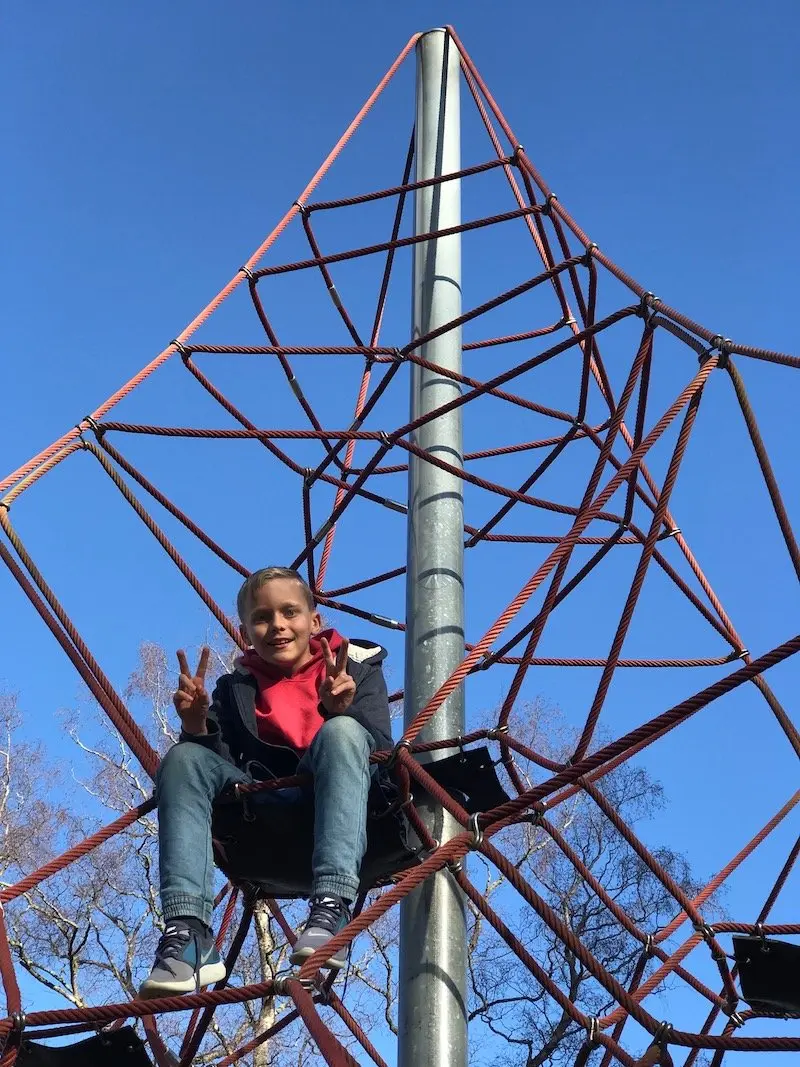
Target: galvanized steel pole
(432,986)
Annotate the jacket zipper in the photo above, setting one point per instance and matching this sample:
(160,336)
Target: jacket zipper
(242,709)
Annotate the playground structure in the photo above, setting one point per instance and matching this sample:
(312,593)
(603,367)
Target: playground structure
(622,506)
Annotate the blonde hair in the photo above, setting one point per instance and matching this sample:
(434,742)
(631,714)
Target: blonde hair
(253,583)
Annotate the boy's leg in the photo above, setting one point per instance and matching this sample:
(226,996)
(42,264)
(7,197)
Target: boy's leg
(338,759)
(189,779)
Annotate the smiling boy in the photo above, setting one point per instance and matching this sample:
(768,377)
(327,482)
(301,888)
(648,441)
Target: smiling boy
(300,701)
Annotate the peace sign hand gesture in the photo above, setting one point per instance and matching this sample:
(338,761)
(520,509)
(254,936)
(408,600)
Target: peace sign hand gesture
(337,688)
(191,699)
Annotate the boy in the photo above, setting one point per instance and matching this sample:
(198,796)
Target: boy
(300,701)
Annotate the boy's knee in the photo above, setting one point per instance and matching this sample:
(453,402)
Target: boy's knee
(180,760)
(345,731)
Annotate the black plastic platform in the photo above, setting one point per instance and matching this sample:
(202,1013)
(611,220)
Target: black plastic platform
(269,845)
(117,1048)
(769,973)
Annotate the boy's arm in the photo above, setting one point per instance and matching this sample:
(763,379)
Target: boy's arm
(370,705)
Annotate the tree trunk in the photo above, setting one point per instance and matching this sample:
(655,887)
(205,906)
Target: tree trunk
(266,946)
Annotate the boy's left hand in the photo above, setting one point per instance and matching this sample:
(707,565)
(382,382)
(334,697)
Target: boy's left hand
(337,688)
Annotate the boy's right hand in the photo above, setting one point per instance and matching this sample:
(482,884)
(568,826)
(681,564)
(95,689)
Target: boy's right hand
(191,699)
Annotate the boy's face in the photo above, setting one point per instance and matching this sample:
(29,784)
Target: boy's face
(279,624)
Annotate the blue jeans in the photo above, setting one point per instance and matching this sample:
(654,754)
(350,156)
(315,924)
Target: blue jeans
(191,776)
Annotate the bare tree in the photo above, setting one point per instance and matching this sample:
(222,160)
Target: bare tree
(506,1001)
(88,933)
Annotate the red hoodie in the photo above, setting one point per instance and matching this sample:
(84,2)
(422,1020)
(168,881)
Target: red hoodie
(287,706)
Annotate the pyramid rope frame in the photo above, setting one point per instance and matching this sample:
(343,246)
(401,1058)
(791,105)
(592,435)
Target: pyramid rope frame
(536,205)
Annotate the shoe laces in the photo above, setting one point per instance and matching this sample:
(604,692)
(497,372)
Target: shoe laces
(173,941)
(327,913)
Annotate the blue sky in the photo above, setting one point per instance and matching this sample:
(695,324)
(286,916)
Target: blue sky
(148,152)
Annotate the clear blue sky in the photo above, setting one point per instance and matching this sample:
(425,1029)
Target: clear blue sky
(149,149)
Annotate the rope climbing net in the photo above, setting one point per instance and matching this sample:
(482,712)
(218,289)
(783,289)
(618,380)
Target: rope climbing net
(568,319)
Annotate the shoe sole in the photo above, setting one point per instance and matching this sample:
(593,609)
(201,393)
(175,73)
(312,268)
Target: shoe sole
(209,973)
(298,958)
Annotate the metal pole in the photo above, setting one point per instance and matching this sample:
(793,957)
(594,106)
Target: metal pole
(432,986)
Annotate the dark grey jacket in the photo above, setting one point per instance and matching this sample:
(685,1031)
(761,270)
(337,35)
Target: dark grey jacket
(233,732)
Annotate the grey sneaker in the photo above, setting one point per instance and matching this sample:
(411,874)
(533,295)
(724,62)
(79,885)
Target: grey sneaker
(184,963)
(328,916)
